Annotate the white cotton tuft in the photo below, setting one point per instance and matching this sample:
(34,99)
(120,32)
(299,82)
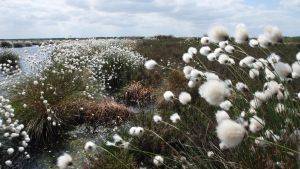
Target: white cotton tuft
(273,58)
(168,96)
(225,60)
(192,50)
(8,163)
(175,118)
(225,105)
(260,141)
(241,34)
(218,51)
(136,131)
(90,146)
(10,151)
(223,44)
(184,98)
(280,108)
(212,56)
(214,91)
(64,161)
(150,64)
(283,70)
(269,75)
(157,118)
(187,71)
(204,40)
(210,154)
(253,43)
(192,83)
(256,124)
(187,57)
(273,34)
(255,103)
(263,96)
(205,50)
(247,61)
(230,133)
(211,76)
(222,115)
(229,49)
(217,34)
(263,41)
(298,56)
(241,87)
(196,73)
(253,73)
(296,70)
(158,160)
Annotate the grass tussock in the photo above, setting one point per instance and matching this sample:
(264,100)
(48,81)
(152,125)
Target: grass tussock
(105,112)
(9,57)
(137,94)
(36,100)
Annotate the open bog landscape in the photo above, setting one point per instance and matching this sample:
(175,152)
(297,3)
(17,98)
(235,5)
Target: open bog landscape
(149,84)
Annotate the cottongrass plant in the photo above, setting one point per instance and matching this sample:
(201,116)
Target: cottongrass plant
(256,108)
(14,139)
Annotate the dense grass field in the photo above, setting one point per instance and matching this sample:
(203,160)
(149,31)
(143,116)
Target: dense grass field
(160,102)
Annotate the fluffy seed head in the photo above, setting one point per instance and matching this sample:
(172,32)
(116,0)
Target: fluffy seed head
(184,98)
(150,64)
(192,51)
(136,131)
(214,91)
(225,105)
(221,115)
(241,87)
(296,70)
(158,160)
(298,56)
(241,34)
(89,146)
(187,57)
(273,34)
(263,41)
(253,43)
(256,124)
(230,133)
(204,40)
(253,73)
(157,118)
(168,95)
(175,118)
(229,49)
(217,34)
(64,161)
(205,50)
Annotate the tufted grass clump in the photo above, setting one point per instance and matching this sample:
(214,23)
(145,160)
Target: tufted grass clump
(36,102)
(137,94)
(9,61)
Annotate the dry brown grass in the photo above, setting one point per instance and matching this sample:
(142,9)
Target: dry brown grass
(137,94)
(96,113)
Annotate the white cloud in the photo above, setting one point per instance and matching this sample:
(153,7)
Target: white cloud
(82,18)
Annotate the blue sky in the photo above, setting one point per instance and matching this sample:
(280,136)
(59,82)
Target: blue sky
(90,18)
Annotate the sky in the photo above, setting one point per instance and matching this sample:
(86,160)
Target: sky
(98,18)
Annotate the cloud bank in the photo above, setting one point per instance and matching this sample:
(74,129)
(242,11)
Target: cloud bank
(92,18)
